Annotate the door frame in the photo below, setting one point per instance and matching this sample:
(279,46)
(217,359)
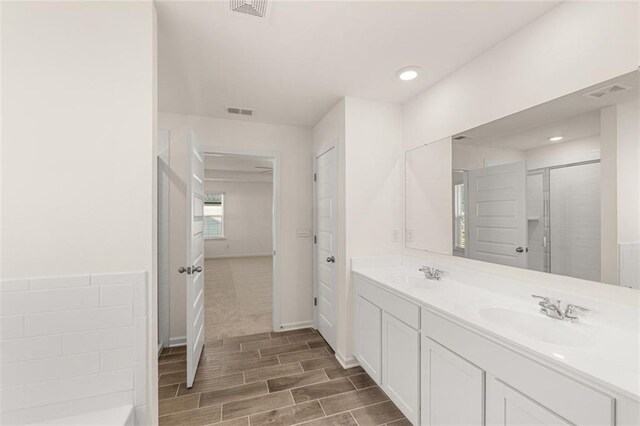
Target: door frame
(275,228)
(163,317)
(323,150)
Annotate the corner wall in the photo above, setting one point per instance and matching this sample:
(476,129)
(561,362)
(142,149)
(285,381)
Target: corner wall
(79,150)
(77,165)
(368,136)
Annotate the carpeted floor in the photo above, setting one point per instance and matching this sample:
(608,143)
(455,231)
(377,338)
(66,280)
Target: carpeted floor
(238,296)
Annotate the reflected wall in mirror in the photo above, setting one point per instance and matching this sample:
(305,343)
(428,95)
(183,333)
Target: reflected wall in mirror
(427,183)
(554,188)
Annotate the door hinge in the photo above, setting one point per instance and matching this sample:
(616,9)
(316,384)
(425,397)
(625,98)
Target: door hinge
(315,239)
(315,301)
(274,252)
(315,177)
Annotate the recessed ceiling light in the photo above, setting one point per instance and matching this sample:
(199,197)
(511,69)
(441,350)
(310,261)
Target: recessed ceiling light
(408,73)
(555,138)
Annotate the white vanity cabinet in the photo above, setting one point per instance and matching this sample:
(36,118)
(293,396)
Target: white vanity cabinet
(401,365)
(508,407)
(368,337)
(388,344)
(519,390)
(441,370)
(452,388)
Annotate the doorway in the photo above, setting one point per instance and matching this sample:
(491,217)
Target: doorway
(240,257)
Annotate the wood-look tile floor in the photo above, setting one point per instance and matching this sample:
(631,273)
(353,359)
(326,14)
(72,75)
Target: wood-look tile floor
(286,378)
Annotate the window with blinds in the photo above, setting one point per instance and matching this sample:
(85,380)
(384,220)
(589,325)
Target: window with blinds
(214,216)
(458,214)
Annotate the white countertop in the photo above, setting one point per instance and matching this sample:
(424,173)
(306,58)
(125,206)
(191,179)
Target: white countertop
(604,345)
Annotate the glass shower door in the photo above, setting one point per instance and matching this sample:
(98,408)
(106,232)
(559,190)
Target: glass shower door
(574,217)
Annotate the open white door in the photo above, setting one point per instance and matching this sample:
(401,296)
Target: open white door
(326,195)
(195,258)
(497,214)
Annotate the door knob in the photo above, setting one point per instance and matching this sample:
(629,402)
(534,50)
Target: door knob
(522,249)
(331,259)
(182,270)
(197,269)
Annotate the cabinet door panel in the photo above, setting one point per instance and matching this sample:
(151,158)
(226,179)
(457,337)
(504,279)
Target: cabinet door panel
(508,407)
(452,388)
(368,337)
(401,365)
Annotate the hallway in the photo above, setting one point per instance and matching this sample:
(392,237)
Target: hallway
(238,296)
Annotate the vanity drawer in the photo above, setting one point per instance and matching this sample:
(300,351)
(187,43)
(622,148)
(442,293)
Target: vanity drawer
(575,401)
(400,308)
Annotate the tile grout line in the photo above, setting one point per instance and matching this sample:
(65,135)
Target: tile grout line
(349,410)
(239,399)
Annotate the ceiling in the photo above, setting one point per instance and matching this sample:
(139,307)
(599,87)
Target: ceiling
(572,128)
(238,163)
(293,66)
(237,168)
(572,116)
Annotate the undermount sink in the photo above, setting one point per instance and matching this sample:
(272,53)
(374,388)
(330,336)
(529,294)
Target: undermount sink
(536,326)
(411,281)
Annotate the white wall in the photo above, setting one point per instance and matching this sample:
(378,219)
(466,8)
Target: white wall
(77,166)
(373,179)
(368,136)
(78,143)
(573,46)
(609,195)
(471,157)
(575,151)
(294,147)
(620,178)
(248,220)
(628,169)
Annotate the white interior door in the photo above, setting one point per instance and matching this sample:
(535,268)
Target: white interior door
(497,214)
(195,259)
(326,195)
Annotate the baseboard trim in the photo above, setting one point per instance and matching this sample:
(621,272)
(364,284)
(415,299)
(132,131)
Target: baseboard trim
(350,362)
(296,325)
(177,341)
(228,256)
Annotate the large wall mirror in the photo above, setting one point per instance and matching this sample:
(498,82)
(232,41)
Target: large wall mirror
(554,188)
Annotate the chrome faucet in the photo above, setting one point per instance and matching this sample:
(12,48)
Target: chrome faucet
(553,309)
(431,273)
(571,312)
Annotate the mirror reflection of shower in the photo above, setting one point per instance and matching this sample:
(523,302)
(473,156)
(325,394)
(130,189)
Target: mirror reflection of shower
(562,219)
(554,188)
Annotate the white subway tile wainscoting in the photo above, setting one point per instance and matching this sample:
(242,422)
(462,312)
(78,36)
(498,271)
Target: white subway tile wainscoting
(73,345)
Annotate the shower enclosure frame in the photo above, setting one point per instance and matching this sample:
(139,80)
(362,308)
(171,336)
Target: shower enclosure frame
(546,205)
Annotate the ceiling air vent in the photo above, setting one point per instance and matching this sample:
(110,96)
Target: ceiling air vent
(604,91)
(240,111)
(460,137)
(255,8)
